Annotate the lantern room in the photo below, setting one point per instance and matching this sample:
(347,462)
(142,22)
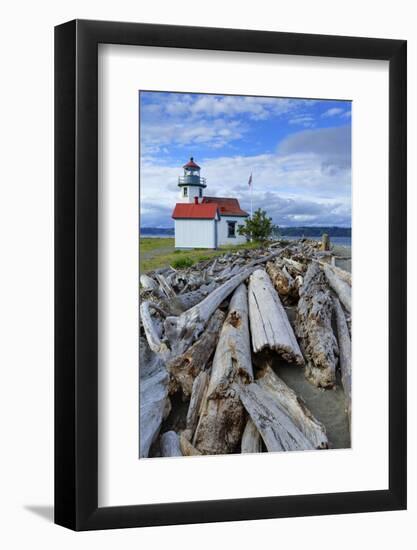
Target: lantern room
(191,184)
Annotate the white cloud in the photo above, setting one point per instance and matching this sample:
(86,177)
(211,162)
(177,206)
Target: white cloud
(331,145)
(303,120)
(215,134)
(306,180)
(213,120)
(257,108)
(334,111)
(293,188)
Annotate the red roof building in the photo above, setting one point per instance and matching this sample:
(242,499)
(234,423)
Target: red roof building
(195,211)
(226,206)
(205,222)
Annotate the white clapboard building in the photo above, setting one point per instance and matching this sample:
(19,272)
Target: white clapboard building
(201,221)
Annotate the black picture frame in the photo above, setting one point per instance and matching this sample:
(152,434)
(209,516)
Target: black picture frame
(76,272)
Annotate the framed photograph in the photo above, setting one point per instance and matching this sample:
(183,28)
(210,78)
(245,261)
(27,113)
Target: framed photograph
(230,255)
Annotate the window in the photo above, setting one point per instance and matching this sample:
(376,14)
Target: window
(200,192)
(231,230)
(185,192)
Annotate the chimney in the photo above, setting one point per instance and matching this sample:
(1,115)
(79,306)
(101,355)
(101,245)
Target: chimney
(195,200)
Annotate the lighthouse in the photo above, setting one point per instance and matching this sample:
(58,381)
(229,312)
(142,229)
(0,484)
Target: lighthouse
(202,221)
(191,184)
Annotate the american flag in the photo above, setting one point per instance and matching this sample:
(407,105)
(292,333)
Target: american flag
(250,180)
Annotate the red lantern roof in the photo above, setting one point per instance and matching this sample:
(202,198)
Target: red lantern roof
(191,164)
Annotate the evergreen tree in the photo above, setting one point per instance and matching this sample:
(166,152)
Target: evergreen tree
(257,228)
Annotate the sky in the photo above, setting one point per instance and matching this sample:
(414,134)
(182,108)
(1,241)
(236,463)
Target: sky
(297,150)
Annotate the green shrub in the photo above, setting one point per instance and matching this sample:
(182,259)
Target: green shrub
(258,227)
(203,258)
(182,263)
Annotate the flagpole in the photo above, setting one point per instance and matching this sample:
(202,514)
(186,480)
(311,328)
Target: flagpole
(251,196)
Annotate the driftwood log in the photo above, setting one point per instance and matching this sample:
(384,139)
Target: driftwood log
(222,420)
(293,265)
(342,289)
(269,323)
(181,332)
(294,407)
(193,297)
(341,273)
(325,242)
(152,334)
(345,355)
(187,366)
(147,283)
(198,392)
(314,329)
(284,283)
(276,428)
(193,347)
(153,394)
(251,439)
(187,448)
(170,444)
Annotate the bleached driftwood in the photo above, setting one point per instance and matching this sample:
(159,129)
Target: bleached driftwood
(294,407)
(152,336)
(212,268)
(197,395)
(184,330)
(342,289)
(170,444)
(148,283)
(153,393)
(264,259)
(187,448)
(165,286)
(341,273)
(345,355)
(294,265)
(251,439)
(176,307)
(222,417)
(276,428)
(325,242)
(314,329)
(269,323)
(283,282)
(187,366)
(193,297)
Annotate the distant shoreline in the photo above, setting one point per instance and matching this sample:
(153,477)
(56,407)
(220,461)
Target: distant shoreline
(337,240)
(301,231)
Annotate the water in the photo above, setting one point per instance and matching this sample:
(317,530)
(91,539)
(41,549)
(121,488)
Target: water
(341,241)
(156,236)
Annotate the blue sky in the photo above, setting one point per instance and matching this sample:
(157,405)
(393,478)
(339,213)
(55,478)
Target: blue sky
(298,151)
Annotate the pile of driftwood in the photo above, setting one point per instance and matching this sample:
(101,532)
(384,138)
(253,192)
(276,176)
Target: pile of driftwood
(209,335)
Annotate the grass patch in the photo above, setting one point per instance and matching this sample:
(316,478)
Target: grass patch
(148,244)
(182,263)
(160,252)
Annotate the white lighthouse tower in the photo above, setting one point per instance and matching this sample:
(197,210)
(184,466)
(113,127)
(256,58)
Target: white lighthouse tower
(201,221)
(191,184)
